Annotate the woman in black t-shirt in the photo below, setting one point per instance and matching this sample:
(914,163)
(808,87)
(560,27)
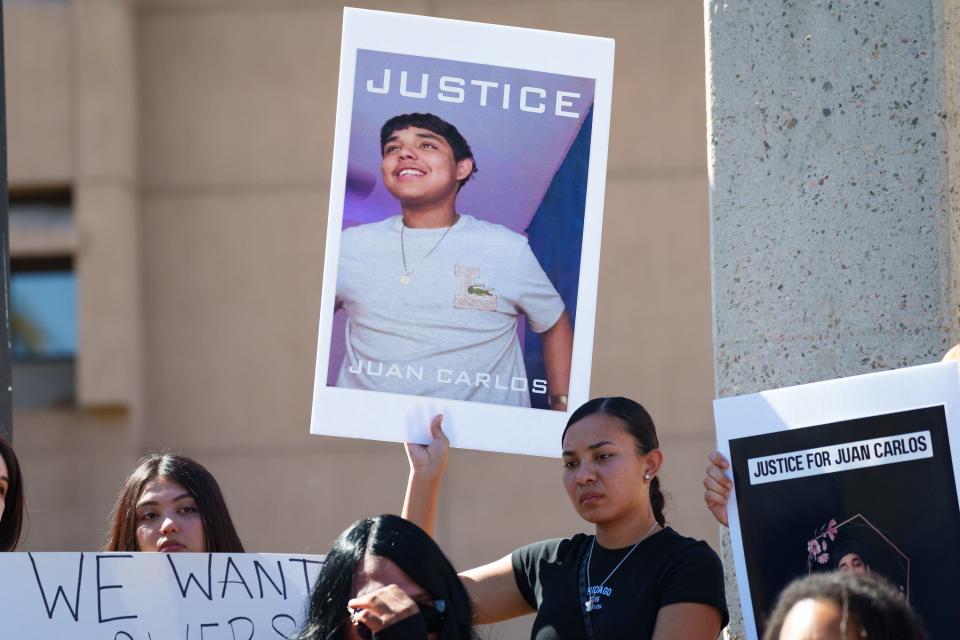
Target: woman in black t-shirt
(636,578)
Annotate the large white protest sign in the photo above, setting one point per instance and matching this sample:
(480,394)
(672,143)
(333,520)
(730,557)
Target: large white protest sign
(467,317)
(852,474)
(154,596)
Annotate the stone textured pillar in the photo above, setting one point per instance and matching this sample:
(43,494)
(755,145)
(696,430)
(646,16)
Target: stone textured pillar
(834,186)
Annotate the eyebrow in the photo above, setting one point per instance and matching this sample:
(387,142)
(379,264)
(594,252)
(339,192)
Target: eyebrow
(595,445)
(153,503)
(394,137)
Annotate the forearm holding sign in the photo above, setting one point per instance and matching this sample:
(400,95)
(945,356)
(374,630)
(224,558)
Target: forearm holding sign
(493,589)
(427,463)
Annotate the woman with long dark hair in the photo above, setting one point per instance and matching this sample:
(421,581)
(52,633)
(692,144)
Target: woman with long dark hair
(12,509)
(635,578)
(171,503)
(385,578)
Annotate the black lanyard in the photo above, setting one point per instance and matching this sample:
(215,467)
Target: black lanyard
(585,595)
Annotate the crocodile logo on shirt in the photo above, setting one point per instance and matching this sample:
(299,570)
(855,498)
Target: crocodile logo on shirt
(473,294)
(479,290)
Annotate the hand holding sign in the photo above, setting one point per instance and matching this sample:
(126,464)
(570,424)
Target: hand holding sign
(427,463)
(718,487)
(429,460)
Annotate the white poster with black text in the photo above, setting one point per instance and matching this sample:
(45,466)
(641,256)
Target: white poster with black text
(154,596)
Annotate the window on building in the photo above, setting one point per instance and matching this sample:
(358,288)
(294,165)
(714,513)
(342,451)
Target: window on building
(43,307)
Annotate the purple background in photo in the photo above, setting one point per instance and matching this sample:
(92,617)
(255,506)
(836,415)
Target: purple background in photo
(517,152)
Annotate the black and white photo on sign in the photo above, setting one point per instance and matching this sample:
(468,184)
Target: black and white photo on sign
(830,476)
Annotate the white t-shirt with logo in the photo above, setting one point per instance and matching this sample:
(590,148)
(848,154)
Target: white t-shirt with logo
(451,332)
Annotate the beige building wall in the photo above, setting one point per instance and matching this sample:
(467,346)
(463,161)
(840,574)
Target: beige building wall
(196,136)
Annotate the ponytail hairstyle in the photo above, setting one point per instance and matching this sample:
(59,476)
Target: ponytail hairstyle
(638,423)
(11,524)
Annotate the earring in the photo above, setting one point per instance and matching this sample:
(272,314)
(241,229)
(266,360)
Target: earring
(647,477)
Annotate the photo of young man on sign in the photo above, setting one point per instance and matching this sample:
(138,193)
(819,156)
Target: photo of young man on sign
(857,545)
(433,296)
(462,251)
(462,223)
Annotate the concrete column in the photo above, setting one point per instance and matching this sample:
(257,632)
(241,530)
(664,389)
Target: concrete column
(835,190)
(109,367)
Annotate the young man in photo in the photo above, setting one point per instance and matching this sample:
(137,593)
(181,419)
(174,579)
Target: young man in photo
(433,296)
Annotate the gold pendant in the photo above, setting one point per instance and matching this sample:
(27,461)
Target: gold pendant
(405,278)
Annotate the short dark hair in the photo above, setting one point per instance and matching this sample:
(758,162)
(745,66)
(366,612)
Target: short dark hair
(411,549)
(881,612)
(219,534)
(14,511)
(436,124)
(845,548)
(638,423)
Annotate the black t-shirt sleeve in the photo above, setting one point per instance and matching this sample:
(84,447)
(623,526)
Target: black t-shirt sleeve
(695,574)
(527,563)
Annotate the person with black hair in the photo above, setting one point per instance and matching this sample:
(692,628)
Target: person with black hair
(849,557)
(433,296)
(635,578)
(12,502)
(171,503)
(385,578)
(841,606)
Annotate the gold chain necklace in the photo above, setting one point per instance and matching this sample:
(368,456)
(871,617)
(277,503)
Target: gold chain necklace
(405,278)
